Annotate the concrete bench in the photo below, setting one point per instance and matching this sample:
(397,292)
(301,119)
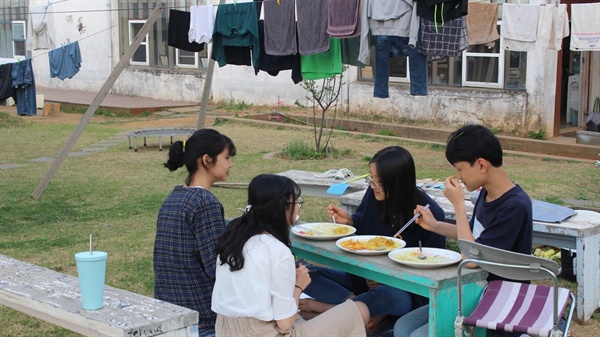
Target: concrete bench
(55,297)
(157,133)
(315,186)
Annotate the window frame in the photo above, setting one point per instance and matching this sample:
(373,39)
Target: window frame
(143,43)
(183,65)
(19,57)
(500,57)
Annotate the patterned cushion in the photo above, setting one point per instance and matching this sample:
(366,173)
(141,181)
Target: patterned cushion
(517,307)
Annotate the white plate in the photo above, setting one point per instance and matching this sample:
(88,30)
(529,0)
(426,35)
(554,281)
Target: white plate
(435,257)
(323,230)
(364,238)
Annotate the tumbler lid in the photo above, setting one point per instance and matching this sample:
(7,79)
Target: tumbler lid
(91,257)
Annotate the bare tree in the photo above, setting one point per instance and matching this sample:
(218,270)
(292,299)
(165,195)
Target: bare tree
(323,96)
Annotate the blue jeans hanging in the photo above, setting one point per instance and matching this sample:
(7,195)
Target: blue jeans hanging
(24,88)
(394,46)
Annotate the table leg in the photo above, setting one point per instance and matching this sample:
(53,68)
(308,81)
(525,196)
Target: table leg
(588,276)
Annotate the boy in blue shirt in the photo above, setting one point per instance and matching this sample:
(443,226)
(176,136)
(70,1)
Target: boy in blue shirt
(502,216)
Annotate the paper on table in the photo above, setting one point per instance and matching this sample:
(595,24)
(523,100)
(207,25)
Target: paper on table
(547,212)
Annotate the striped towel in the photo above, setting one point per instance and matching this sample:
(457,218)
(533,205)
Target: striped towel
(585,32)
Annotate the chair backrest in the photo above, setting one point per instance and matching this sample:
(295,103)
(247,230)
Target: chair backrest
(507,264)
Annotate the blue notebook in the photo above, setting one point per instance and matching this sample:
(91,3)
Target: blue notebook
(548,212)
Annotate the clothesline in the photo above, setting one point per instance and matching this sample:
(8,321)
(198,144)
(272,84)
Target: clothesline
(555,2)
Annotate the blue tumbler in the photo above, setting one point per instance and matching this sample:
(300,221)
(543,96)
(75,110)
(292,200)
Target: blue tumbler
(91,268)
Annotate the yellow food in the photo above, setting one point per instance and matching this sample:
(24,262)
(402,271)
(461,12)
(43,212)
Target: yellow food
(327,230)
(413,256)
(376,243)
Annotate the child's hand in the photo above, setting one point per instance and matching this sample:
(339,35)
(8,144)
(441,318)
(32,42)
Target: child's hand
(426,220)
(340,215)
(302,276)
(453,190)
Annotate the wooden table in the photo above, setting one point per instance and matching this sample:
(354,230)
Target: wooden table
(438,284)
(580,232)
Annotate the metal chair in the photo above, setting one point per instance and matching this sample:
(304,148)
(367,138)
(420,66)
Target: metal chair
(516,307)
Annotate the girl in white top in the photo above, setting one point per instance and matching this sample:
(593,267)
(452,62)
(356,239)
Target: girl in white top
(258,286)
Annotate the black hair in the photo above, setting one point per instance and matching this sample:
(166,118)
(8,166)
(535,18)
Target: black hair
(397,176)
(201,142)
(270,197)
(472,142)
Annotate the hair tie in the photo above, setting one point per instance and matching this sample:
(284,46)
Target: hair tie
(183,146)
(247,208)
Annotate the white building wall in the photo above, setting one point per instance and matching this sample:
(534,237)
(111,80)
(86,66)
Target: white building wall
(95,43)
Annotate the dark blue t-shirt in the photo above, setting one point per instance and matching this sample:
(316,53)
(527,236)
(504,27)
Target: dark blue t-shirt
(368,222)
(504,223)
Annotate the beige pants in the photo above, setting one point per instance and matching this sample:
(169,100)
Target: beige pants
(343,320)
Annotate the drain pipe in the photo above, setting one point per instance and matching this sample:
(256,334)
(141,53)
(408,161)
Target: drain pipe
(110,34)
(346,89)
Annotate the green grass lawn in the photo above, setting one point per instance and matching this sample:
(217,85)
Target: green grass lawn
(115,194)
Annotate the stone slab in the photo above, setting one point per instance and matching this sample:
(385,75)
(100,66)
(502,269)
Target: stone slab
(588,138)
(55,297)
(10,166)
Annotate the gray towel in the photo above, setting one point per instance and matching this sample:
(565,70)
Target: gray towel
(344,18)
(280,27)
(312,26)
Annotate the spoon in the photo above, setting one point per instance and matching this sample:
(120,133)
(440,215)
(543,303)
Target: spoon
(333,218)
(421,256)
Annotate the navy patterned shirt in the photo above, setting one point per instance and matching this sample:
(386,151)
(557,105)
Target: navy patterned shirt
(190,222)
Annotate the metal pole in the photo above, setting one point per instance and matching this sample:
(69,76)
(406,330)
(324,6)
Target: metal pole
(112,78)
(207,86)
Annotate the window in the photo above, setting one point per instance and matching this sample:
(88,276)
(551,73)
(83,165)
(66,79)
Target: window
(154,51)
(141,55)
(13,15)
(18,38)
(186,59)
(482,66)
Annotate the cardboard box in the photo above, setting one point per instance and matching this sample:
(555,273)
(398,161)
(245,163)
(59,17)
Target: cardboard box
(51,109)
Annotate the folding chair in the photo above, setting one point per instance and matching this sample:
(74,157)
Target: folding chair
(516,307)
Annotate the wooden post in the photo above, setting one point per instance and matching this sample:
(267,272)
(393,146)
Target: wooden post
(207,86)
(112,78)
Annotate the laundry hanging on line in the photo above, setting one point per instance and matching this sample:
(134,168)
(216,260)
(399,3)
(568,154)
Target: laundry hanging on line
(65,61)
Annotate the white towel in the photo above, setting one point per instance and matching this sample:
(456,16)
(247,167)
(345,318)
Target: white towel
(553,26)
(519,26)
(202,21)
(585,26)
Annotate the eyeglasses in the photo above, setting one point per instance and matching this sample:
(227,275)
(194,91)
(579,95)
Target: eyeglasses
(374,185)
(299,202)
